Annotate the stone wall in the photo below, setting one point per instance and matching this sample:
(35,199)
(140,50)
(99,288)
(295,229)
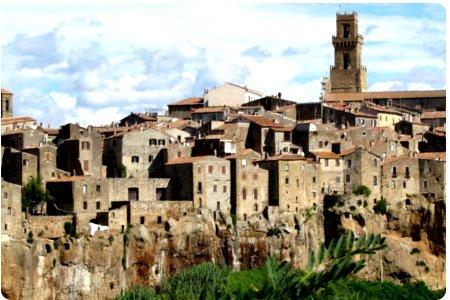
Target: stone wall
(11,209)
(48,226)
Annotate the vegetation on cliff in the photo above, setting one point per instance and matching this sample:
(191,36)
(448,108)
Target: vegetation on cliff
(326,276)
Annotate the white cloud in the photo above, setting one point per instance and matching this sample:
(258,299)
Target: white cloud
(416,86)
(63,101)
(386,86)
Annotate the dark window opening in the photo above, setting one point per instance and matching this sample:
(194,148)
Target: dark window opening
(199,188)
(85,205)
(66,246)
(244,193)
(97,204)
(150,158)
(142,220)
(218,205)
(48,248)
(346,30)
(159,220)
(98,188)
(133,194)
(346,61)
(408,202)
(152,142)
(135,159)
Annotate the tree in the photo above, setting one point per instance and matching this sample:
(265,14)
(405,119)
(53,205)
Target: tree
(381,207)
(361,190)
(34,196)
(123,171)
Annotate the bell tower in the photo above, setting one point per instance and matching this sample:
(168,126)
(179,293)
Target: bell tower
(347,75)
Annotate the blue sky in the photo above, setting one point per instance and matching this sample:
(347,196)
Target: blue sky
(93,64)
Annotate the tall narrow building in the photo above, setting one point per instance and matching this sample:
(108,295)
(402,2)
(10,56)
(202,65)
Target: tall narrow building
(347,75)
(7,104)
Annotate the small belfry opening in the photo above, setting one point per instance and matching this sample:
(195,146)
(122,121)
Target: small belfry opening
(346,61)
(346,30)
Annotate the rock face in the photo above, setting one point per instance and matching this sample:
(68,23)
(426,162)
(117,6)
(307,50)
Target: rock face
(102,266)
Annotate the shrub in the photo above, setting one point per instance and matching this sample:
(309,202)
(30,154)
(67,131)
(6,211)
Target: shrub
(34,196)
(275,231)
(123,171)
(414,251)
(362,190)
(30,237)
(69,229)
(381,207)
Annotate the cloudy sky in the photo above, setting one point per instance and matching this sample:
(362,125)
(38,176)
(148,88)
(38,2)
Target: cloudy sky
(94,64)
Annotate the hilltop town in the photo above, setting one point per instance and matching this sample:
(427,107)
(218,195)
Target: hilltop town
(265,174)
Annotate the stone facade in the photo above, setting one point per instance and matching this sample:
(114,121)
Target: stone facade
(11,210)
(7,104)
(229,94)
(18,167)
(205,180)
(50,227)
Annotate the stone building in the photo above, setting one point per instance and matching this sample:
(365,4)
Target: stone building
(361,167)
(18,167)
(271,103)
(229,94)
(46,162)
(294,182)
(308,111)
(218,145)
(11,209)
(332,172)
(400,178)
(205,180)
(137,118)
(207,114)
(249,185)
(17,123)
(433,141)
(142,151)
(7,104)
(347,75)
(433,118)
(182,109)
(80,151)
(432,175)
(24,138)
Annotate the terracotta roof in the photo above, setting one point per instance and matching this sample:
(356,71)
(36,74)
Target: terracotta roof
(49,131)
(393,158)
(433,115)
(5,91)
(187,101)
(384,109)
(439,156)
(347,151)
(287,157)
(68,178)
(13,120)
(262,121)
(190,160)
(385,95)
(326,154)
(203,110)
(283,129)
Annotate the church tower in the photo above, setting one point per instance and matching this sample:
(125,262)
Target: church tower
(347,75)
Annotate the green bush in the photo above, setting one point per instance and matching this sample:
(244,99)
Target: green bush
(362,190)
(69,229)
(123,171)
(381,207)
(275,231)
(30,237)
(34,196)
(414,251)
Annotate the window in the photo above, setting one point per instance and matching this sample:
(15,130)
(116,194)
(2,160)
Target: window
(245,217)
(407,172)
(320,144)
(255,194)
(26,162)
(85,145)
(152,142)
(86,165)
(133,194)
(224,188)
(9,210)
(150,158)
(394,172)
(347,178)
(286,180)
(392,184)
(314,179)
(244,176)
(384,154)
(48,156)
(218,205)
(364,133)
(159,220)
(375,180)
(199,187)
(210,169)
(314,193)
(256,207)
(425,184)
(286,167)
(392,146)
(97,205)
(224,170)
(84,189)
(337,162)
(142,220)
(404,184)
(161,142)
(303,167)
(337,179)
(135,159)
(97,188)
(215,188)
(5,195)
(244,193)
(244,162)
(6,227)
(326,162)
(346,30)
(349,163)
(179,154)
(375,162)
(199,170)
(298,183)
(346,61)
(6,104)
(255,176)
(85,205)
